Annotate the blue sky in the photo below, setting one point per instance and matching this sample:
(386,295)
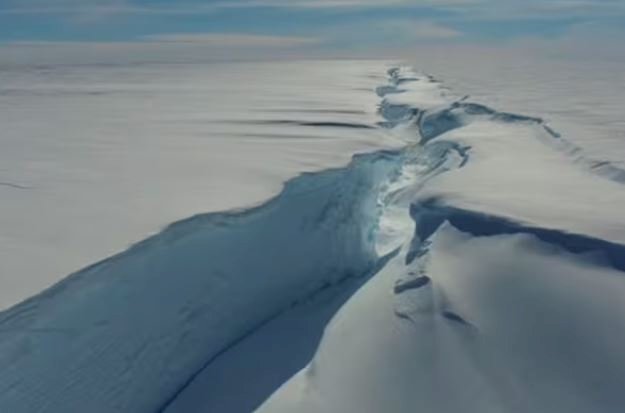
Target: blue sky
(331,25)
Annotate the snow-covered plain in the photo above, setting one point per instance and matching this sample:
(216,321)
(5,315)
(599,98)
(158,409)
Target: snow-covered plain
(95,158)
(471,260)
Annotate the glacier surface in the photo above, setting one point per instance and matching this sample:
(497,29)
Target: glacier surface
(473,263)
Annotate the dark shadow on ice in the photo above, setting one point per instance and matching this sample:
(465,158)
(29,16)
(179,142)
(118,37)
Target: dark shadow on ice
(401,80)
(394,114)
(411,284)
(315,111)
(461,113)
(454,317)
(243,375)
(13,185)
(382,91)
(320,124)
(430,214)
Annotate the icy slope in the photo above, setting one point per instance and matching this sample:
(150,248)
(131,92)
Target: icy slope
(128,333)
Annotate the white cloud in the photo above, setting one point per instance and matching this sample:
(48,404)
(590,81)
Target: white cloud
(63,6)
(318,4)
(190,7)
(431,30)
(233,40)
(582,41)
(160,48)
(493,10)
(410,31)
(467,9)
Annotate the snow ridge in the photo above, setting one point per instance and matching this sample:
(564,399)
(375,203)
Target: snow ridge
(474,310)
(462,113)
(430,215)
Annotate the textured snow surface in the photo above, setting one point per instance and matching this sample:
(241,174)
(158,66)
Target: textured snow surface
(95,158)
(478,267)
(580,98)
(509,297)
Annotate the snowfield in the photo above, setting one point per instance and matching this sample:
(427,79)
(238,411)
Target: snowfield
(96,158)
(468,260)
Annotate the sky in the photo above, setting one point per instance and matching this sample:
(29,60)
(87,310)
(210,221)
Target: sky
(253,28)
